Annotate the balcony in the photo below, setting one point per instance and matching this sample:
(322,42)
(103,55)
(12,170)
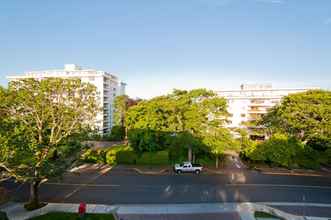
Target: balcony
(257,111)
(261,104)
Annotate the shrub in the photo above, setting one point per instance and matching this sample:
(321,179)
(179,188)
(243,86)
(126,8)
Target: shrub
(94,156)
(319,143)
(177,154)
(3,216)
(111,153)
(126,157)
(307,158)
(328,156)
(206,161)
(279,149)
(154,158)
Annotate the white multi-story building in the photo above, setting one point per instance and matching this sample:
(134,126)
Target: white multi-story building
(108,87)
(252,101)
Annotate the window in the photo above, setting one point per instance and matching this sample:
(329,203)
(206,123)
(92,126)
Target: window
(257,101)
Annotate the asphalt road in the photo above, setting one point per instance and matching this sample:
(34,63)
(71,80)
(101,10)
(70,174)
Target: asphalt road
(120,186)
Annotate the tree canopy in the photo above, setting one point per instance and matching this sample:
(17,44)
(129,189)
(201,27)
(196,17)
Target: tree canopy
(304,115)
(188,115)
(38,120)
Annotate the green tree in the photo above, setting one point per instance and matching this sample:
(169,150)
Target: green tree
(279,149)
(188,113)
(220,141)
(121,106)
(39,120)
(304,115)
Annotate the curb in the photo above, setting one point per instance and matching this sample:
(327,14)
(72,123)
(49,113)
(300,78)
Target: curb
(150,172)
(291,174)
(214,171)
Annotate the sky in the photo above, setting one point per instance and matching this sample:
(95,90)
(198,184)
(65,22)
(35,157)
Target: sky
(157,45)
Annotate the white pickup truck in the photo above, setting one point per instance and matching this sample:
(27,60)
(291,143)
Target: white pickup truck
(187,167)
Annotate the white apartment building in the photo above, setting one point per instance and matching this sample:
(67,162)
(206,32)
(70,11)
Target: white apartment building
(108,87)
(251,101)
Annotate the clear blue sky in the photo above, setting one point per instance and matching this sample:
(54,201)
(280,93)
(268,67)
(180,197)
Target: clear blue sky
(156,45)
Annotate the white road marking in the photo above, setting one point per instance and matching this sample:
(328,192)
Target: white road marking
(279,185)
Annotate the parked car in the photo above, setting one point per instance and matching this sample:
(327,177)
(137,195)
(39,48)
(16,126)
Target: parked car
(187,167)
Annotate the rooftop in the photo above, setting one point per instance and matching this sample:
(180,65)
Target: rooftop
(69,70)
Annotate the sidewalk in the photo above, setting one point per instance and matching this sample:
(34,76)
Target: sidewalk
(243,211)
(294,172)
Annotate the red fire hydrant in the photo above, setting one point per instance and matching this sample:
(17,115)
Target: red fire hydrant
(82,209)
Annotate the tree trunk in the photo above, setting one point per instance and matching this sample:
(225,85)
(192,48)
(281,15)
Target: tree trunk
(193,157)
(34,193)
(189,154)
(126,136)
(216,162)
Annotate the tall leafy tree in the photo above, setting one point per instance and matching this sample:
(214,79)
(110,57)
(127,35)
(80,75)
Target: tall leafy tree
(38,120)
(192,113)
(220,141)
(121,106)
(304,115)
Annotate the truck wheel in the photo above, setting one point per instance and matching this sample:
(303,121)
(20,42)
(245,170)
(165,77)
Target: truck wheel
(197,171)
(179,171)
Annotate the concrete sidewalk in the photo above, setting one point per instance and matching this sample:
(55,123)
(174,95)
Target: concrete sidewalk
(235,211)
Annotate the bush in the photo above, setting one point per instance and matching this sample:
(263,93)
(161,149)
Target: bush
(177,154)
(94,156)
(206,161)
(111,153)
(154,158)
(126,157)
(319,143)
(279,149)
(3,216)
(307,158)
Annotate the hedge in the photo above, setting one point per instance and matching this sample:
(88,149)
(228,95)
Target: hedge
(126,157)
(154,158)
(122,154)
(113,151)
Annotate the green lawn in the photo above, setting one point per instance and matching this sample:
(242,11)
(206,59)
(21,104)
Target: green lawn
(264,215)
(72,216)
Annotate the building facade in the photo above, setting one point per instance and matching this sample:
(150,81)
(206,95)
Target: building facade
(108,87)
(252,101)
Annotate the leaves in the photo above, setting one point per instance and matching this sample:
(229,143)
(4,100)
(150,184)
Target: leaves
(304,115)
(187,119)
(39,120)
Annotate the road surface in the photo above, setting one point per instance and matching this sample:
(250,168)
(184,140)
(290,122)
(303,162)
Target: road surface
(120,186)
